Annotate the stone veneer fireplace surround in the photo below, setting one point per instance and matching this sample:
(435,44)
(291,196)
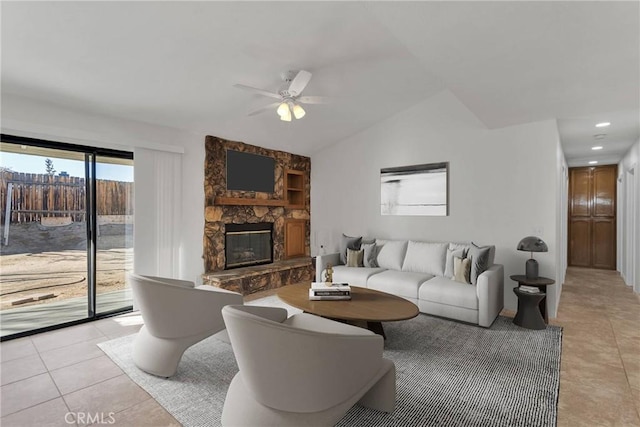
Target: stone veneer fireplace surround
(224,207)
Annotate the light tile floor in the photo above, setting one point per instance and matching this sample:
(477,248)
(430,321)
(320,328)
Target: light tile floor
(600,368)
(62,378)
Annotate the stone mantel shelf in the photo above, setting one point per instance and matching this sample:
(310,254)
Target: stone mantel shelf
(242,201)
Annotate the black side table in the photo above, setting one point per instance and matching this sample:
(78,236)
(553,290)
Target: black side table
(528,315)
(541,283)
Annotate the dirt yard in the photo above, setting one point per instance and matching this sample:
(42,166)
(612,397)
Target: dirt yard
(43,260)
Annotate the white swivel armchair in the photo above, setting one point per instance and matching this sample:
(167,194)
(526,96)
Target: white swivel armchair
(304,370)
(176,315)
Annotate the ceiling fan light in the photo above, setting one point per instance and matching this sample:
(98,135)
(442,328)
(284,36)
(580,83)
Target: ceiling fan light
(283,109)
(298,111)
(286,117)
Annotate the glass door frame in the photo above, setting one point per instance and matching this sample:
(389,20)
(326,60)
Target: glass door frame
(91,154)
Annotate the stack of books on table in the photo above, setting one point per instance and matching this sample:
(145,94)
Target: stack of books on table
(322,291)
(529,289)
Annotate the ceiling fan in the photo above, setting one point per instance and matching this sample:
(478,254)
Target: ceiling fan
(289,96)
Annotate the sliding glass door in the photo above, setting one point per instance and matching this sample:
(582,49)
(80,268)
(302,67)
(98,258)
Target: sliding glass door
(114,226)
(67,223)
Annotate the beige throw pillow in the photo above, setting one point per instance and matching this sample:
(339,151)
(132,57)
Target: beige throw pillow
(452,253)
(348,242)
(354,258)
(461,269)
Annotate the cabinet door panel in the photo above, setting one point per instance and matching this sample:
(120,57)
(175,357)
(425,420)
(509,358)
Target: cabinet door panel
(604,244)
(580,192)
(294,238)
(580,244)
(604,192)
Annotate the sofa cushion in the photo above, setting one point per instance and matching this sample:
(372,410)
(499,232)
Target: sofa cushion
(392,253)
(446,291)
(479,260)
(348,242)
(401,283)
(354,276)
(425,257)
(370,254)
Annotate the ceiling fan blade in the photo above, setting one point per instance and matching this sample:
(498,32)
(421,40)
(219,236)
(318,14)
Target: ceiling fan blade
(258,91)
(314,100)
(299,82)
(263,109)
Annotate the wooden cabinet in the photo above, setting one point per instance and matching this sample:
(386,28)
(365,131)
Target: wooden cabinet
(592,217)
(295,235)
(294,189)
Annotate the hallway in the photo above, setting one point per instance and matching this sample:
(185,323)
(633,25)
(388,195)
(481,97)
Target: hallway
(600,371)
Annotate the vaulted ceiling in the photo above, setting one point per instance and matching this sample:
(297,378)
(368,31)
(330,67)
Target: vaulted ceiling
(175,64)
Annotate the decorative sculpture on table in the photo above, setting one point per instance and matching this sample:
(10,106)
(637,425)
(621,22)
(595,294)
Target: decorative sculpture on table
(328,273)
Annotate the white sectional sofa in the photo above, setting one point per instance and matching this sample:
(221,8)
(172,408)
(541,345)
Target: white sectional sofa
(418,272)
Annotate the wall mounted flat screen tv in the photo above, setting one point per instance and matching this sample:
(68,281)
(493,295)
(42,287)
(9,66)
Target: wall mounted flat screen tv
(250,172)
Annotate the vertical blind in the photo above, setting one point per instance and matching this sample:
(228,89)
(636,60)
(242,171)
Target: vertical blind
(157,206)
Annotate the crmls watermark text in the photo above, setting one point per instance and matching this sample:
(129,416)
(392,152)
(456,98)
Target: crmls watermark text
(89,417)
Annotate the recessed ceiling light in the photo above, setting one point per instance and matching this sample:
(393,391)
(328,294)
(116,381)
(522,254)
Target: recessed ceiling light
(593,162)
(600,135)
(597,147)
(603,125)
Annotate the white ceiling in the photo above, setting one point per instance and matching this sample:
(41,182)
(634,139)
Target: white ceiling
(175,63)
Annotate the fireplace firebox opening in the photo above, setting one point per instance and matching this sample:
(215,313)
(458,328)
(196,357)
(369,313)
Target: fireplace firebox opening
(248,244)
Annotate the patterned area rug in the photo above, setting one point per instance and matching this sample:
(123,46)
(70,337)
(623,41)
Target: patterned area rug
(448,374)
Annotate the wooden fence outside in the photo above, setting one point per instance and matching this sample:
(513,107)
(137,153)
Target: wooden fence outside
(35,196)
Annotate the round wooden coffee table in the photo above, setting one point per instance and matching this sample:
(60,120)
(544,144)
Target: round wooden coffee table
(367,307)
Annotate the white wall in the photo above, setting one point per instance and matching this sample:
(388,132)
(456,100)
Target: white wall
(26,117)
(502,184)
(562,218)
(629,217)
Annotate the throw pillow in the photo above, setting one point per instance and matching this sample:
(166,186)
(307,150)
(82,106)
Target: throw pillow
(348,242)
(354,258)
(425,257)
(461,269)
(451,254)
(479,260)
(370,254)
(392,254)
